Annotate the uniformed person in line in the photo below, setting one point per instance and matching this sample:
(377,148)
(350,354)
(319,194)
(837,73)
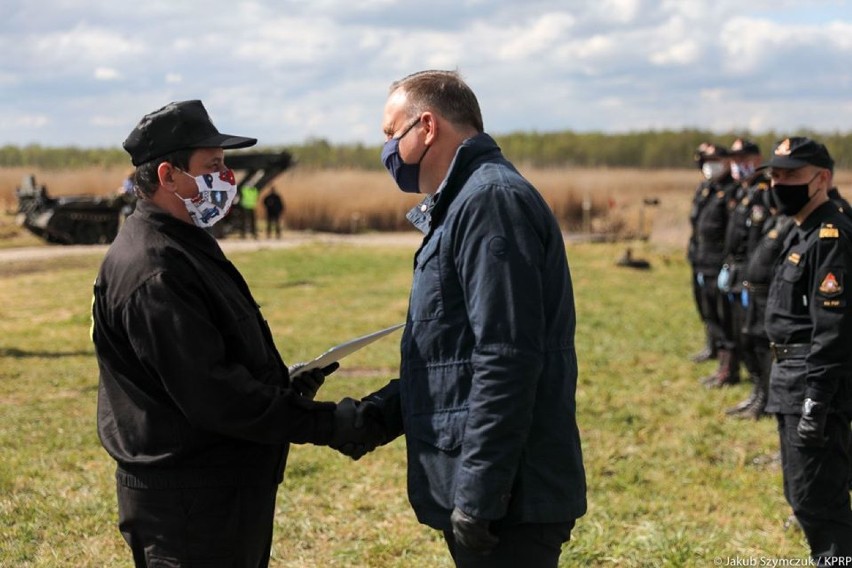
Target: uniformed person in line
(745,217)
(764,239)
(839,200)
(702,192)
(809,321)
(710,227)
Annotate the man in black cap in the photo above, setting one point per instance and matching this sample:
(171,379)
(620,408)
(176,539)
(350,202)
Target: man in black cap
(194,402)
(699,199)
(710,226)
(744,233)
(809,321)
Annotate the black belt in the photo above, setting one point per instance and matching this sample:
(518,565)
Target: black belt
(756,288)
(790,351)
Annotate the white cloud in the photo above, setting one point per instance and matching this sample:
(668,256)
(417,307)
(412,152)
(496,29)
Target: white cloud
(106,74)
(24,121)
(618,11)
(86,71)
(107,121)
(82,45)
(528,40)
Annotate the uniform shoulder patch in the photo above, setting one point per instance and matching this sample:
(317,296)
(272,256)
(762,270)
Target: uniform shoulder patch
(829,231)
(794,258)
(772,234)
(830,286)
(758,214)
(720,194)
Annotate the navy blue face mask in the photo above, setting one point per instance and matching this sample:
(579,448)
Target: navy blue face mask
(406,176)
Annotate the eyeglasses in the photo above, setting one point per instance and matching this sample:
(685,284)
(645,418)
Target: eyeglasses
(408,128)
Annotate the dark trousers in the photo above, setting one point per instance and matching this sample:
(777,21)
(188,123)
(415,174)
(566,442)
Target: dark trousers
(757,356)
(696,295)
(533,545)
(249,223)
(711,303)
(725,309)
(201,526)
(273,222)
(816,484)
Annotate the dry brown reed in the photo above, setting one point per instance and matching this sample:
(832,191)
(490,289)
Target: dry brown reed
(599,200)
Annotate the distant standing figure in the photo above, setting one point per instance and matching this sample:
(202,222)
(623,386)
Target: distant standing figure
(275,207)
(699,200)
(248,203)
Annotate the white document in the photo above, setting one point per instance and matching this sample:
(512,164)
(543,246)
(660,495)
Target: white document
(338,352)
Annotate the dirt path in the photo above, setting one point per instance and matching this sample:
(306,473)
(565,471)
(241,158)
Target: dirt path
(291,239)
(409,239)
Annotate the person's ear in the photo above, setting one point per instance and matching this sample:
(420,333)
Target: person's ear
(430,127)
(166,173)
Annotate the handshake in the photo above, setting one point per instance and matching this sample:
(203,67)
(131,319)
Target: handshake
(358,428)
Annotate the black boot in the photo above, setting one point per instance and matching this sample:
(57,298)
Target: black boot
(757,409)
(745,404)
(709,351)
(722,355)
(729,370)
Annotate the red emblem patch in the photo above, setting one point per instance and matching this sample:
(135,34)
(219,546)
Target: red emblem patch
(830,286)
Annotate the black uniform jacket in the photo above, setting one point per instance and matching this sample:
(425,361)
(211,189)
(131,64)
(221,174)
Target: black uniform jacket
(757,275)
(809,305)
(192,389)
(711,225)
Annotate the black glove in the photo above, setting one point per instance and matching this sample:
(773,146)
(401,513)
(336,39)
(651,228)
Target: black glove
(308,383)
(357,428)
(472,533)
(811,427)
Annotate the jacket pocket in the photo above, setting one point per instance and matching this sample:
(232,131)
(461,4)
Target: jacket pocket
(788,292)
(443,430)
(425,302)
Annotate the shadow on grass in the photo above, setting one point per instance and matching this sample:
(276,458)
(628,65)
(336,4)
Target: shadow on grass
(22,354)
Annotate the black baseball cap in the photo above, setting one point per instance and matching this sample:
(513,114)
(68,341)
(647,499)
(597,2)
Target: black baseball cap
(178,126)
(799,151)
(714,152)
(744,147)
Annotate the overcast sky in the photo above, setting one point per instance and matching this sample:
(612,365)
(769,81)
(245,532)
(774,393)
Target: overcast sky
(82,72)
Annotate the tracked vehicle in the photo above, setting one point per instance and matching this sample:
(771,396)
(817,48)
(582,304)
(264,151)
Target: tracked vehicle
(73,220)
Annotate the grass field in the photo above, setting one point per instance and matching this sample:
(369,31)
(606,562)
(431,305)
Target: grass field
(672,482)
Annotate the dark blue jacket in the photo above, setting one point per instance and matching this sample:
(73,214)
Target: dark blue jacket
(488,371)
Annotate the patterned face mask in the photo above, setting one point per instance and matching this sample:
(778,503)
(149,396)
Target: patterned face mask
(741,172)
(712,170)
(216,194)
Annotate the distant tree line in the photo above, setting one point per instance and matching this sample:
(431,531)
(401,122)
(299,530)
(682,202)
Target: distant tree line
(647,149)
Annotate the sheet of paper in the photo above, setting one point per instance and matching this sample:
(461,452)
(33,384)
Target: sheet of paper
(338,352)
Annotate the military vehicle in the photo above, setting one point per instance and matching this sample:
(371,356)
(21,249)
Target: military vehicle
(72,220)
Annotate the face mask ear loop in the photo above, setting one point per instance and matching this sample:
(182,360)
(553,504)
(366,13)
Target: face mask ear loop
(176,194)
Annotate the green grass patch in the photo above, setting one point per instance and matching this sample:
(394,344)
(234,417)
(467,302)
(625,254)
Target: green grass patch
(672,481)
